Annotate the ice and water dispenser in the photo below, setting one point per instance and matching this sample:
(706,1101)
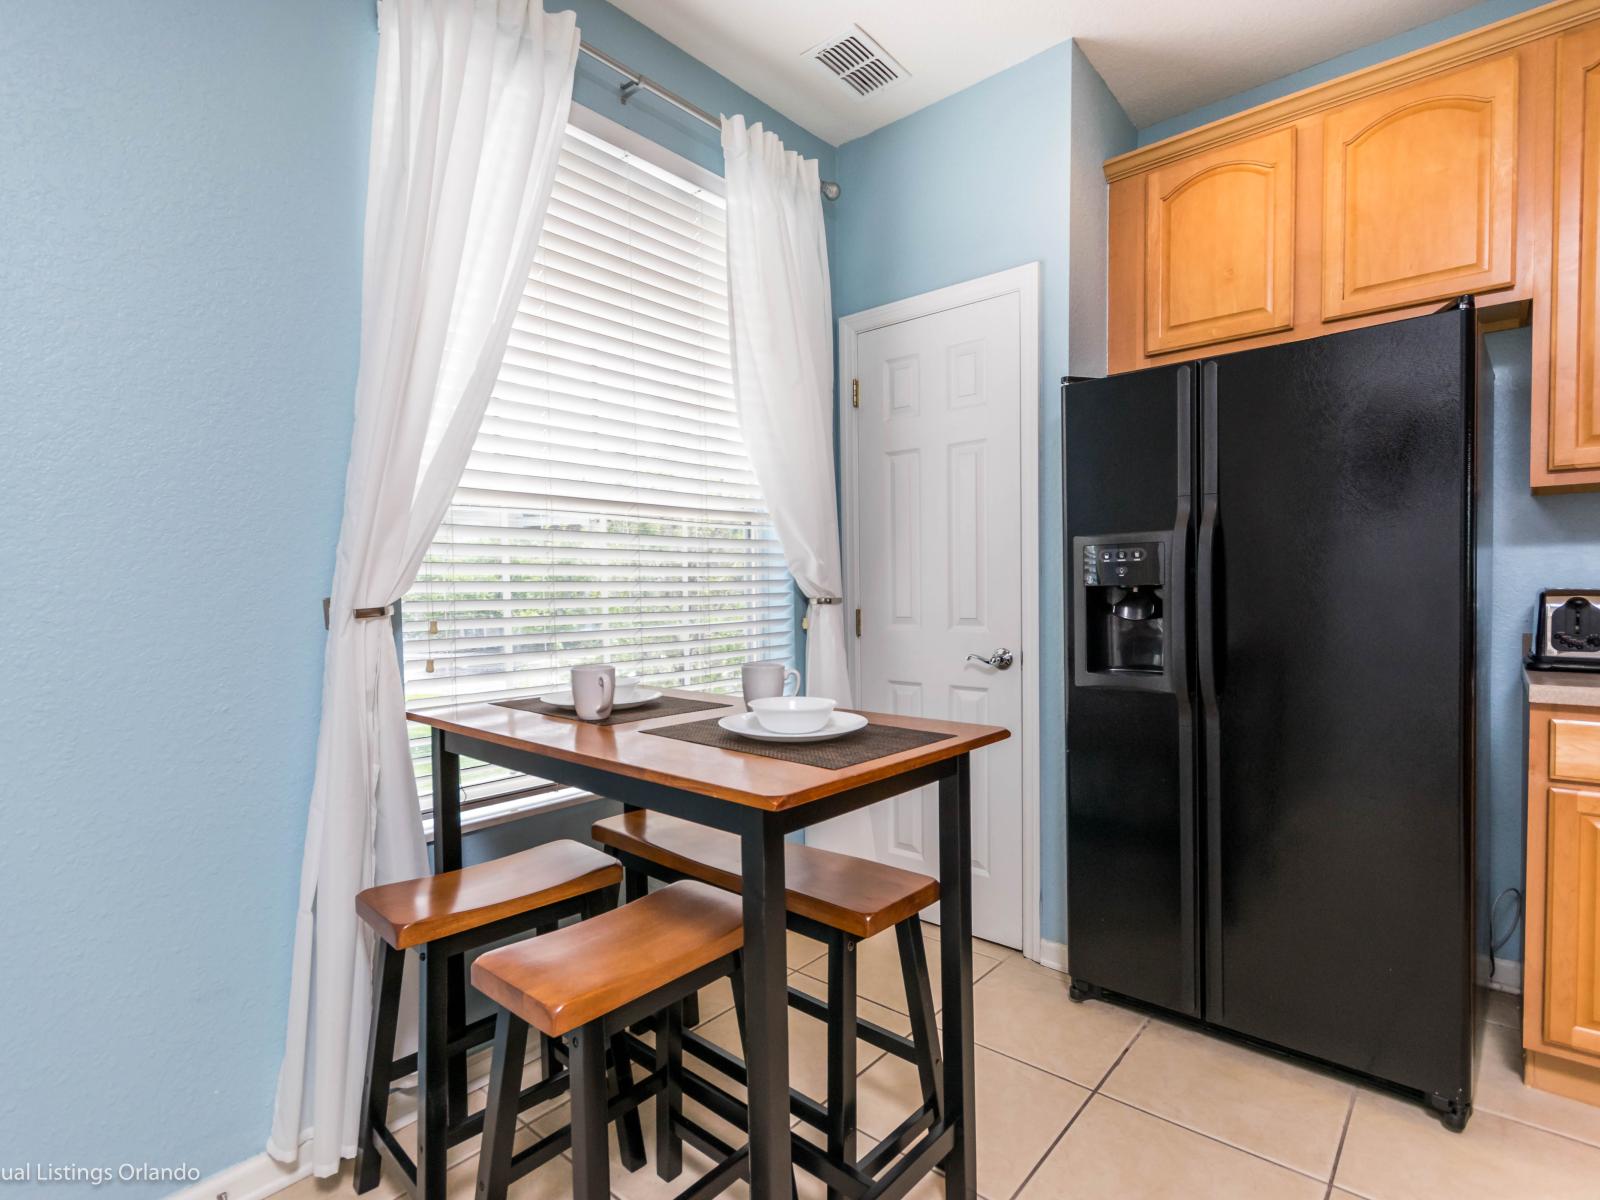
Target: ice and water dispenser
(1122,611)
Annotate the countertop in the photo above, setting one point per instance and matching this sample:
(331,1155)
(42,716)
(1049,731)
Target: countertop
(1563,687)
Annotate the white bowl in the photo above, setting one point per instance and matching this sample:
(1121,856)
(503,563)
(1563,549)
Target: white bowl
(792,714)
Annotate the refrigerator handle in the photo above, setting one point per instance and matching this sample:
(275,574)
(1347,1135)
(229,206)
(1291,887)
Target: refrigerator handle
(1178,627)
(1206,592)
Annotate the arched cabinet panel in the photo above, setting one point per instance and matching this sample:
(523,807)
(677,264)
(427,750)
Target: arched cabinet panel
(1219,254)
(1419,200)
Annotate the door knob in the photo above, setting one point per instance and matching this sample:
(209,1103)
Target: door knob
(1000,660)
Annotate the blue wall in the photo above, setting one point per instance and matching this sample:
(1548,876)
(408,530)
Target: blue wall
(981,181)
(181,191)
(619,35)
(1423,35)
(1526,542)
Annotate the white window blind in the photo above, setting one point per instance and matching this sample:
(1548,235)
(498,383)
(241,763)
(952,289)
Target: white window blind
(608,512)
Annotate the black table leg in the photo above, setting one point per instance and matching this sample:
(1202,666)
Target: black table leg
(955,945)
(765,970)
(447,857)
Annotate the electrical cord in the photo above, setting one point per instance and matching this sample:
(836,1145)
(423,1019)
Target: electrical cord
(1495,944)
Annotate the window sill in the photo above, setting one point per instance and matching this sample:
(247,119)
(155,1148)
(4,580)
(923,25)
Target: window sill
(487,816)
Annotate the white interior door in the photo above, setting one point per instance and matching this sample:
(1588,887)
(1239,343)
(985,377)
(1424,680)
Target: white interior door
(938,575)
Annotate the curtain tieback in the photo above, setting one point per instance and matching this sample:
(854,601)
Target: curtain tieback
(373,614)
(827,600)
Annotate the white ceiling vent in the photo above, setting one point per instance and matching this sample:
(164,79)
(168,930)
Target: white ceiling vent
(858,62)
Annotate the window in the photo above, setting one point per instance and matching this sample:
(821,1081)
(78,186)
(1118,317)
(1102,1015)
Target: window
(608,512)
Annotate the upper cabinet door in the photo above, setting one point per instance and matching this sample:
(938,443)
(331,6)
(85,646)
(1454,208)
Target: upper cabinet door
(1219,244)
(1420,191)
(1574,413)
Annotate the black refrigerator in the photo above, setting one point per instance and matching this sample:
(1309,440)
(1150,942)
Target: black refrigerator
(1270,696)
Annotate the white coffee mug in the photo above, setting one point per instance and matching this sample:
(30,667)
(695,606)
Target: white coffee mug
(764,680)
(593,689)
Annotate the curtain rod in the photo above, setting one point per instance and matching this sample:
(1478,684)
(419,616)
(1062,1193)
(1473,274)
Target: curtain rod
(638,82)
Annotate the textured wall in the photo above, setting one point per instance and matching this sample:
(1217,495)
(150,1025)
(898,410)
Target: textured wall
(181,191)
(1003,173)
(1525,543)
(1464,21)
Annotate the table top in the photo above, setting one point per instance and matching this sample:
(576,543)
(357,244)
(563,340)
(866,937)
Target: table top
(748,779)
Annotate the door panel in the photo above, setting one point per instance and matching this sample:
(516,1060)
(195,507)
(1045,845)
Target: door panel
(938,577)
(1340,806)
(1219,258)
(1574,416)
(1572,960)
(1131,906)
(1420,191)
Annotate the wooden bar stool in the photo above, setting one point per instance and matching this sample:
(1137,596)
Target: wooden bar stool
(442,916)
(585,983)
(839,900)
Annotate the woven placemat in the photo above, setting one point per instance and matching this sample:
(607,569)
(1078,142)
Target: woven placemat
(667,706)
(851,750)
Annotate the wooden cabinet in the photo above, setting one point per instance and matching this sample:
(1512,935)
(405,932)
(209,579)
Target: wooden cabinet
(1419,191)
(1219,249)
(1561,969)
(1467,167)
(1568,415)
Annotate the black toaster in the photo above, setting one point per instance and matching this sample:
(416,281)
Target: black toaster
(1566,631)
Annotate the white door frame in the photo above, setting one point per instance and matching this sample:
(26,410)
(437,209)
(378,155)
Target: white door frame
(1023,282)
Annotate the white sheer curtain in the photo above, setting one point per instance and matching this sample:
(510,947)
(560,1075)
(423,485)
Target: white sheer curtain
(472,100)
(783,372)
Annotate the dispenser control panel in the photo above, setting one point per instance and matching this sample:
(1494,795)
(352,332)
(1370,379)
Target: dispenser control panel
(1122,564)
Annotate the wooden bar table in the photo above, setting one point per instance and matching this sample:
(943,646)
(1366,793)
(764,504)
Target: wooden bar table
(760,799)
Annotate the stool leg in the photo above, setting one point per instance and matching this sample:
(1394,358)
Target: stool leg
(549,1064)
(737,979)
(500,1117)
(591,1160)
(433,1082)
(919,1003)
(841,1051)
(669,1102)
(388,964)
(630,1132)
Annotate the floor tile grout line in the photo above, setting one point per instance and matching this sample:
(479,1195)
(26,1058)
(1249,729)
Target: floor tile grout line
(1137,1034)
(1072,1120)
(1110,1099)
(1338,1150)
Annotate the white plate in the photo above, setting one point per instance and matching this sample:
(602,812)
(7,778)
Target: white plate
(635,699)
(839,724)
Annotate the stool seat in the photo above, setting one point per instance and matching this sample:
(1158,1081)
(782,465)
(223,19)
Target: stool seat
(855,895)
(582,972)
(417,911)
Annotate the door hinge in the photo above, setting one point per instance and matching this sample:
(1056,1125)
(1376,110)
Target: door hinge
(855,393)
(858,622)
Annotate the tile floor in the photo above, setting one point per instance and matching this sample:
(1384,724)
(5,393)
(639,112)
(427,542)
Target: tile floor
(1093,1100)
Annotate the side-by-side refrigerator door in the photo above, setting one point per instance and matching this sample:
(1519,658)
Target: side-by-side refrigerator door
(1334,659)
(1132,902)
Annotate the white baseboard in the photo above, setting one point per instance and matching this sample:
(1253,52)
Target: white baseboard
(261,1176)
(1507,974)
(1053,955)
(253,1179)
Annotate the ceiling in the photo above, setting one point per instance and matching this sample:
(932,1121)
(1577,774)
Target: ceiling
(1160,57)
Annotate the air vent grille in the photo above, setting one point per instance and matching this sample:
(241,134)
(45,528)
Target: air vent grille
(858,62)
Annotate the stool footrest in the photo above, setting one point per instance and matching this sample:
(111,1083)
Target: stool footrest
(560,1141)
(873,1034)
(731,1065)
(809,1158)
